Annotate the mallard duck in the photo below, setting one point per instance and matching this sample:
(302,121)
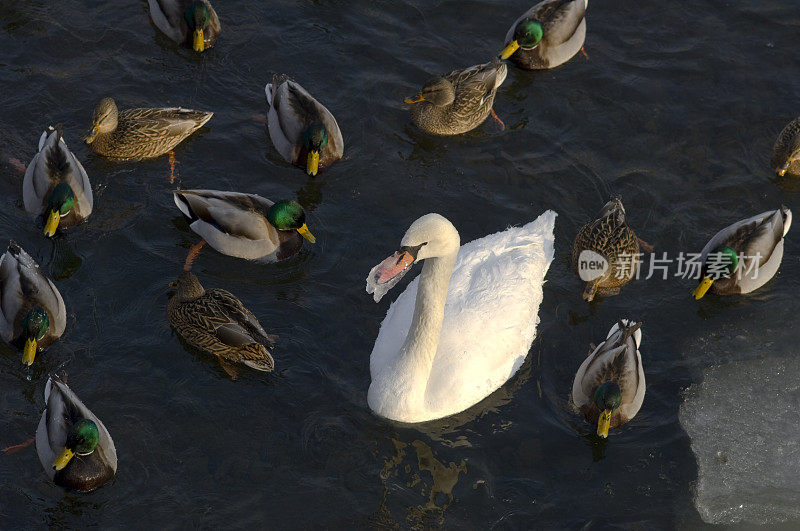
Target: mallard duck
(609,386)
(744,256)
(302,130)
(74,446)
(56,184)
(786,153)
(546,35)
(609,243)
(32,312)
(245,225)
(141,133)
(459,101)
(217,322)
(193,23)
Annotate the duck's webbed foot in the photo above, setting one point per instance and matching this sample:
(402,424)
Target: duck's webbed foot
(646,247)
(172,163)
(194,252)
(500,123)
(17,447)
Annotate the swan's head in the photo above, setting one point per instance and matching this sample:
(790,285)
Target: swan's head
(430,236)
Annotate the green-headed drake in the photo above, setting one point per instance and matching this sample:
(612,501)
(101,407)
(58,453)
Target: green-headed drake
(609,386)
(546,35)
(193,23)
(302,130)
(245,225)
(32,312)
(459,101)
(74,447)
(56,185)
(786,153)
(141,133)
(744,256)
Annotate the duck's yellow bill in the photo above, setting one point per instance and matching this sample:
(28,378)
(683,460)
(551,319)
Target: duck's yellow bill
(603,423)
(702,288)
(63,459)
(198,41)
(312,162)
(509,50)
(89,138)
(417,99)
(29,352)
(305,233)
(51,224)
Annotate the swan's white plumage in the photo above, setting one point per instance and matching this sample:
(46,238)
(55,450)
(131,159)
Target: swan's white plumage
(490,320)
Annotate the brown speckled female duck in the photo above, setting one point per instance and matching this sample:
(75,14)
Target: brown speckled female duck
(786,153)
(610,237)
(141,133)
(459,101)
(217,322)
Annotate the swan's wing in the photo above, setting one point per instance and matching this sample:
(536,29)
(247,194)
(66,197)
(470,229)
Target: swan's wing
(491,312)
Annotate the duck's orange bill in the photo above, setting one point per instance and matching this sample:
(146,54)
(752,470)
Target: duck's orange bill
(395,265)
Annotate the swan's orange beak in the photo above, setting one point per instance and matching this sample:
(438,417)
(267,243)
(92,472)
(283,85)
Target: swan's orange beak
(388,273)
(395,265)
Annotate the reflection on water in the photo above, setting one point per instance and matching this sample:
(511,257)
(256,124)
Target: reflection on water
(310,195)
(65,262)
(430,479)
(69,504)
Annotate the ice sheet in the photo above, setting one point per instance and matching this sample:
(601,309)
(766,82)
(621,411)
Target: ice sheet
(744,423)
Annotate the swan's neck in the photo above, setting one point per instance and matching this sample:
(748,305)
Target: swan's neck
(426,325)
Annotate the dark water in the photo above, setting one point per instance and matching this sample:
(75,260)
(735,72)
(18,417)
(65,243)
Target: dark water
(676,109)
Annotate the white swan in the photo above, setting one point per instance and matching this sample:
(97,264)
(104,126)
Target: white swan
(465,325)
